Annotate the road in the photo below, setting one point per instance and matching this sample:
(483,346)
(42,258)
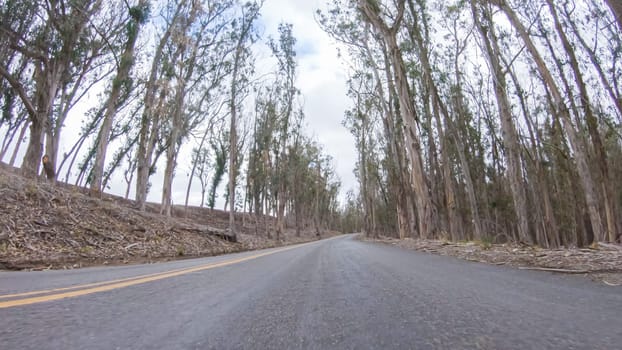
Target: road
(333,294)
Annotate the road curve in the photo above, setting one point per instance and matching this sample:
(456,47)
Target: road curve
(332,294)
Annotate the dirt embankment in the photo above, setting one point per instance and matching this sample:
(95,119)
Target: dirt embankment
(60,226)
(603,263)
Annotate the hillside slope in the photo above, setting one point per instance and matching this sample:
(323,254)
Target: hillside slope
(60,226)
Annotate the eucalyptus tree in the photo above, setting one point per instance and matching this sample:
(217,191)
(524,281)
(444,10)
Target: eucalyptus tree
(243,33)
(259,172)
(155,94)
(373,13)
(201,163)
(370,56)
(57,38)
(457,116)
(283,50)
(560,108)
(516,135)
(483,21)
(360,122)
(592,122)
(200,156)
(15,126)
(220,150)
(120,89)
(14,117)
(197,53)
(96,55)
(350,214)
(312,185)
(302,170)
(299,161)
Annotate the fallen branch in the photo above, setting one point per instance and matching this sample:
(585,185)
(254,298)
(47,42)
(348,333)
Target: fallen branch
(611,246)
(554,270)
(131,245)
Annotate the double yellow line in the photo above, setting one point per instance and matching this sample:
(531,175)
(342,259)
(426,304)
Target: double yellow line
(41,296)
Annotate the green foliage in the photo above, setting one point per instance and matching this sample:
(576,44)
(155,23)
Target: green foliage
(221,155)
(140,13)
(486,242)
(8,104)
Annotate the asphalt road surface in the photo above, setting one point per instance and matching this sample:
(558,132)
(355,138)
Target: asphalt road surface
(332,294)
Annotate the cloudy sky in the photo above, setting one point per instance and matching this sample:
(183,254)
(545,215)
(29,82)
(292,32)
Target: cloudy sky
(321,79)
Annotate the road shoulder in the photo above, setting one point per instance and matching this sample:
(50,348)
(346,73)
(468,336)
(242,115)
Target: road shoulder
(603,264)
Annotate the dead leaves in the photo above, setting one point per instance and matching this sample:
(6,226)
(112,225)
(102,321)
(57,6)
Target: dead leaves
(43,226)
(603,263)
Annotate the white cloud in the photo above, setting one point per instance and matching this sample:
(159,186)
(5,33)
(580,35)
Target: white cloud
(321,80)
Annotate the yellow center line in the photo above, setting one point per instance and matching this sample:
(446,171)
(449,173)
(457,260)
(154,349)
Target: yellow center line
(122,283)
(80,286)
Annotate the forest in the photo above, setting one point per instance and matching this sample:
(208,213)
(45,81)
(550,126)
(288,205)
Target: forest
(491,120)
(156,76)
(487,120)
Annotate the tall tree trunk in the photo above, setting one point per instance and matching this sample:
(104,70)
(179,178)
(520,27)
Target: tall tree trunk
(244,35)
(175,135)
(233,154)
(398,169)
(592,125)
(541,190)
(509,133)
(185,74)
(34,152)
(169,173)
(591,197)
(432,97)
(365,191)
(425,210)
(151,114)
(233,134)
(52,141)
(146,144)
(46,82)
